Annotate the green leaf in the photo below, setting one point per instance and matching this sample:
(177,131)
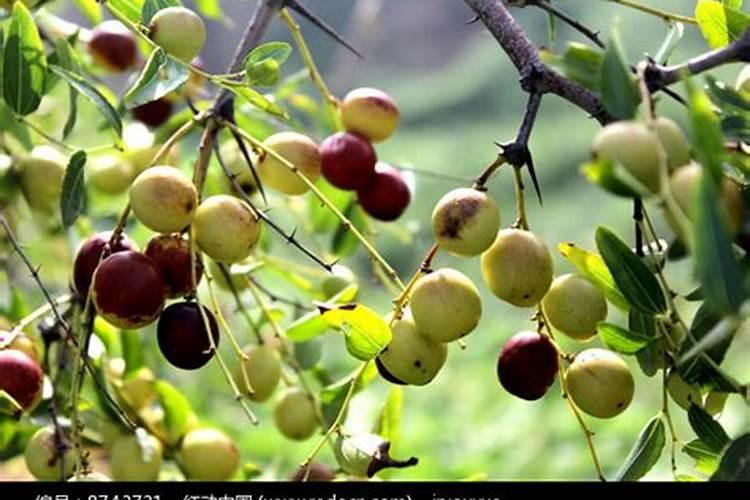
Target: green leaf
(706,461)
(726,96)
(632,276)
(622,340)
(614,178)
(720,23)
(365,331)
(735,465)
(209,8)
(332,396)
(278,51)
(92,94)
(12,126)
(388,425)
(132,351)
(618,87)
(177,410)
(8,405)
(24,63)
(645,452)
(716,267)
(73,195)
(670,43)
(129,8)
(592,266)
(66,58)
(161,75)
(312,324)
(579,63)
(705,347)
(255,98)
(708,430)
(151,7)
(90,9)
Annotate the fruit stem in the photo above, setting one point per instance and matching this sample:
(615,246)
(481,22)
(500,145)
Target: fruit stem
(403,299)
(374,254)
(667,16)
(522,221)
(212,345)
(33,316)
(336,424)
(330,100)
(668,418)
(490,169)
(588,433)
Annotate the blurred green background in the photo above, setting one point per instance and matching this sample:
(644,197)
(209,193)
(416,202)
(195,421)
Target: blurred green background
(458,94)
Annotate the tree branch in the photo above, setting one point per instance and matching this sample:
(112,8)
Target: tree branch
(658,77)
(535,75)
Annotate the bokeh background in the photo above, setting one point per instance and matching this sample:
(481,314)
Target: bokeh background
(458,94)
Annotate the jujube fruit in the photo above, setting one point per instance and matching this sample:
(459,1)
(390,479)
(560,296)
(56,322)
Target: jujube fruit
(43,458)
(137,389)
(163,199)
(574,306)
(171,254)
(110,174)
(465,221)
(226,228)
(209,455)
(21,377)
(154,113)
(340,278)
(370,112)
(445,305)
(683,393)
(90,253)
(128,290)
(263,368)
(179,31)
(297,149)
(674,142)
(21,343)
(635,147)
(315,472)
(410,357)
(684,182)
(347,161)
(517,267)
(527,365)
(183,337)
(130,461)
(743,80)
(387,195)
(41,175)
(235,162)
(113,46)
(715,402)
(600,383)
(295,415)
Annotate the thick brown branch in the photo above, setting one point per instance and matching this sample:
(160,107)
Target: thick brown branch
(535,75)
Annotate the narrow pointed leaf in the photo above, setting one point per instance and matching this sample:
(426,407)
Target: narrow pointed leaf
(645,452)
(708,430)
(73,195)
(24,63)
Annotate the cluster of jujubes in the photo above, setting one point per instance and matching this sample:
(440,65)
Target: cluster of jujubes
(349,161)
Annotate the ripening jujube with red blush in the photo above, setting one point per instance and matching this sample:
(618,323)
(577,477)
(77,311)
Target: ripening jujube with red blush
(128,290)
(183,336)
(296,149)
(347,160)
(171,254)
(370,112)
(163,199)
(90,253)
(113,46)
(465,221)
(387,195)
(527,365)
(21,377)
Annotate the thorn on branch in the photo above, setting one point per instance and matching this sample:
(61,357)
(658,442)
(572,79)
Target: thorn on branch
(319,23)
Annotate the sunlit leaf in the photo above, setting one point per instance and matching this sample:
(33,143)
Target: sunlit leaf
(622,340)
(592,266)
(24,63)
(365,331)
(161,75)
